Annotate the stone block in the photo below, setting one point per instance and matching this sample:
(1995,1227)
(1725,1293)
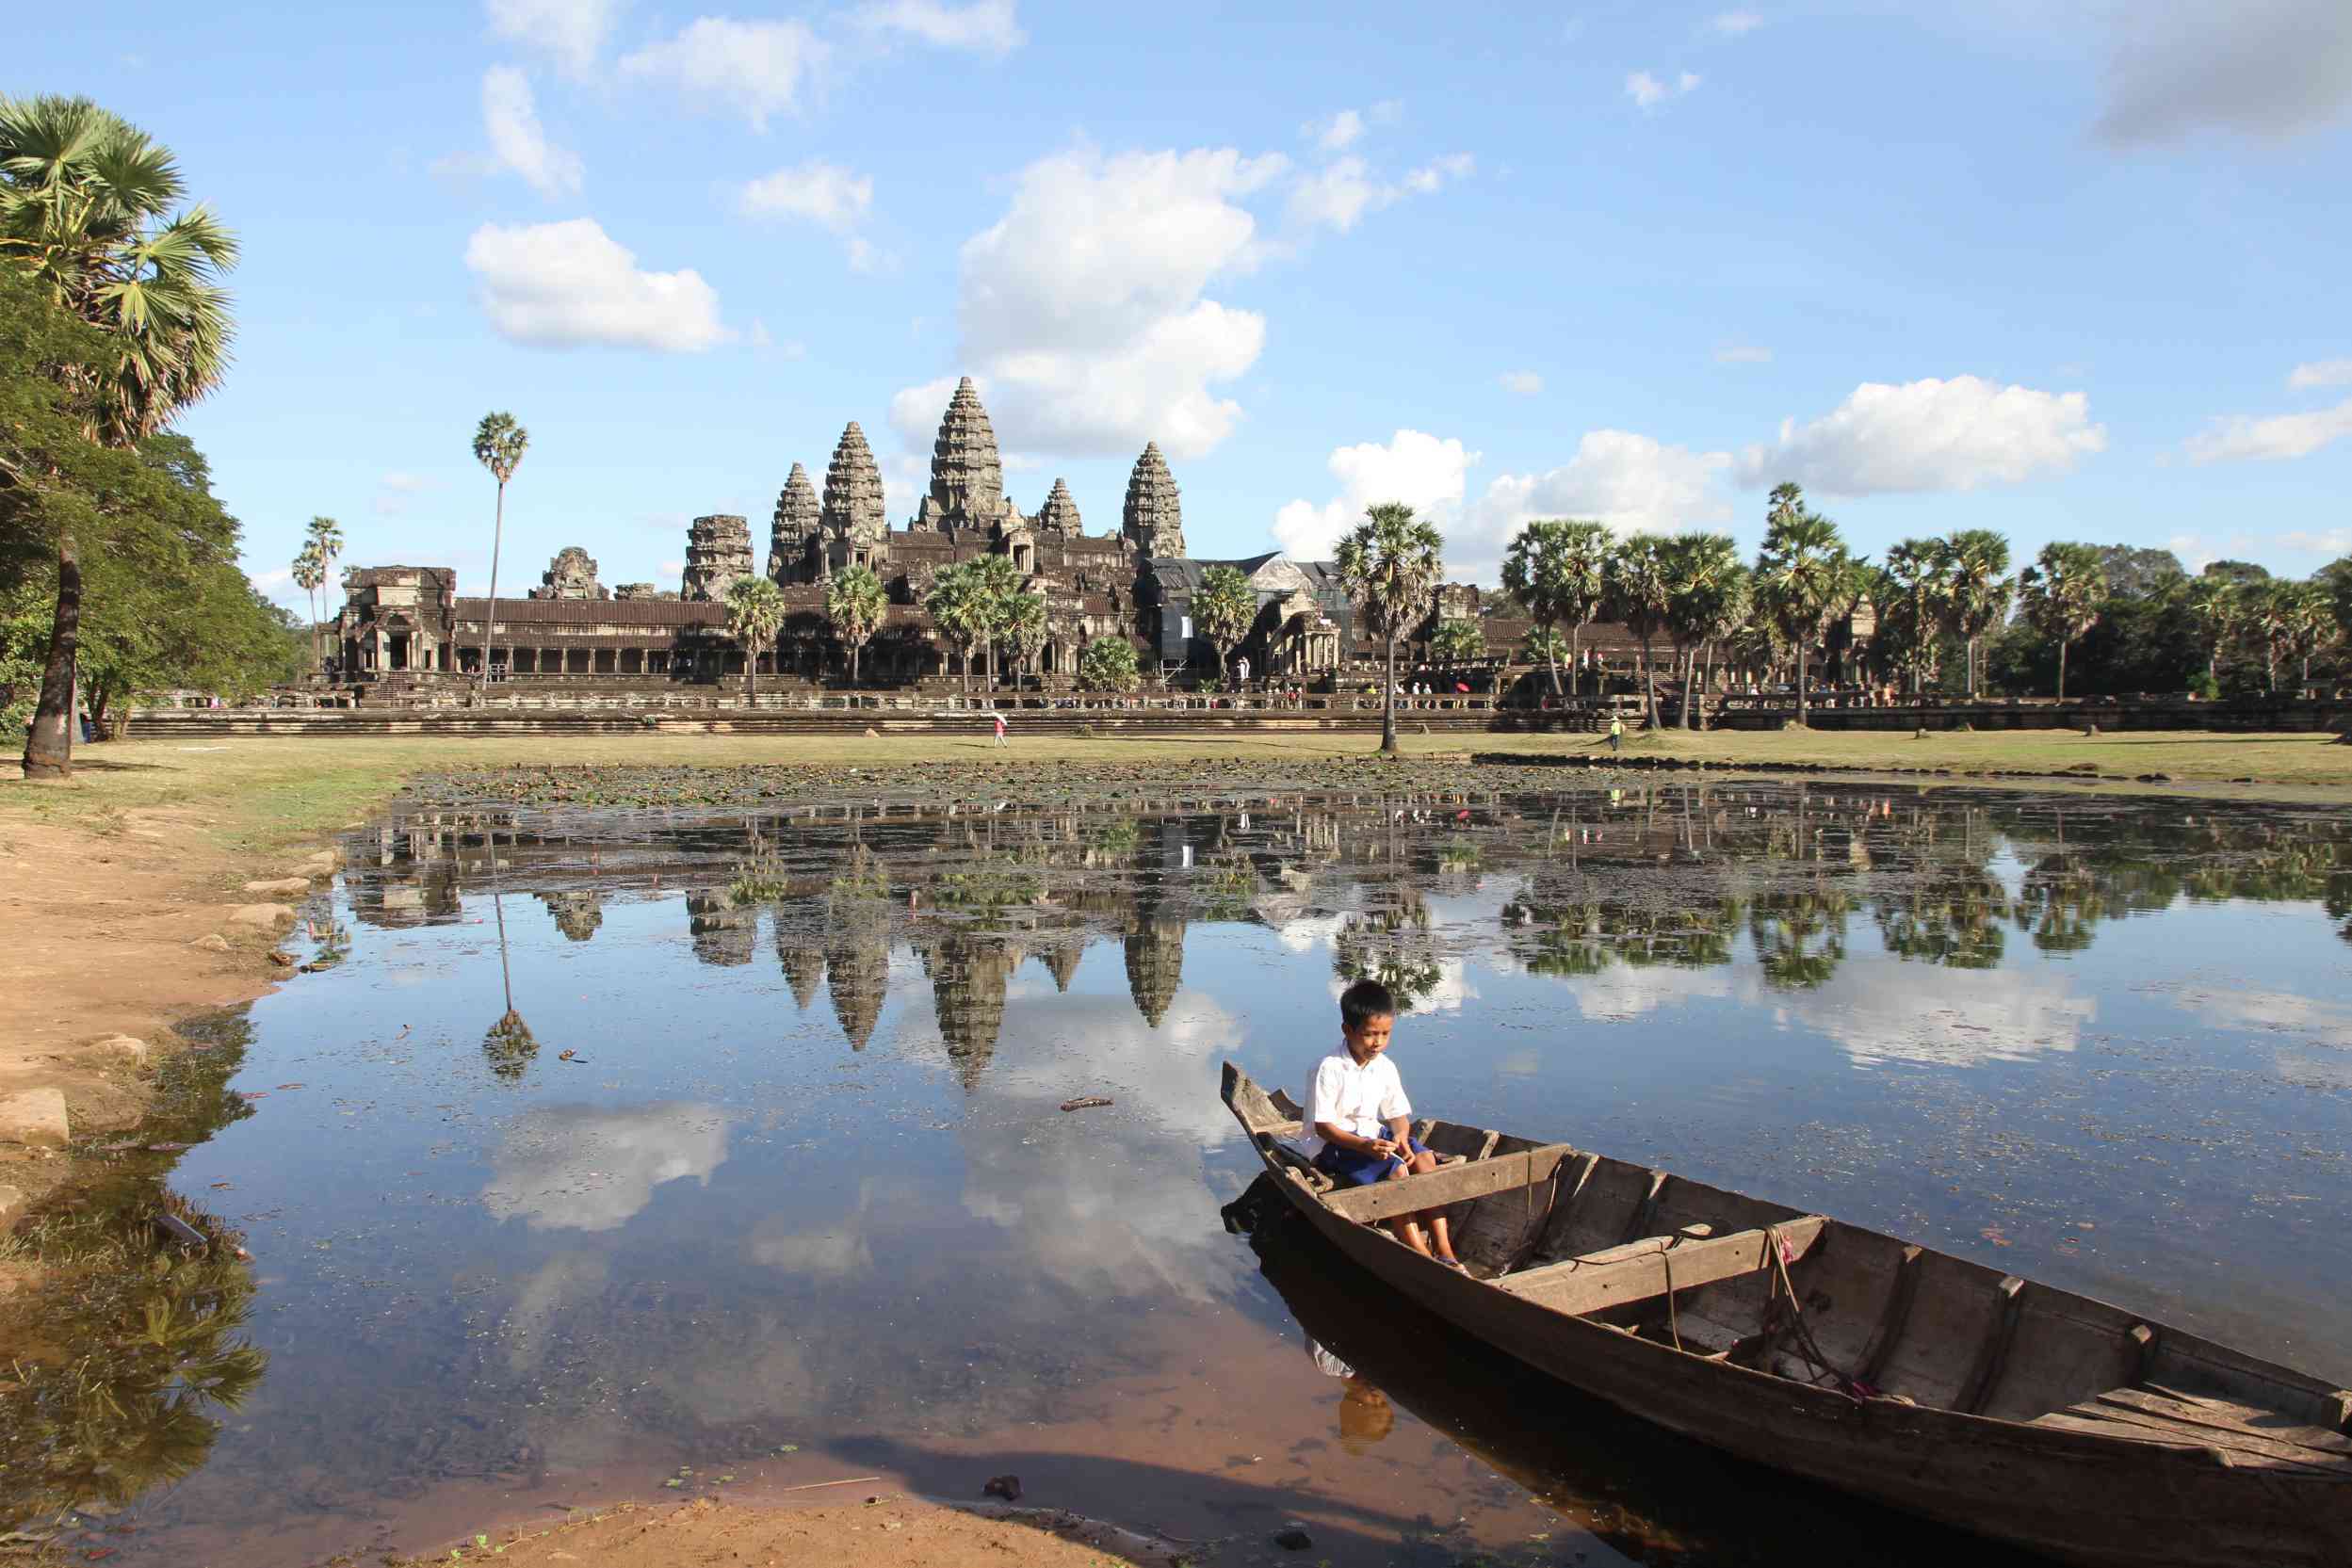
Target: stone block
(264,918)
(281,887)
(34,1116)
(211,942)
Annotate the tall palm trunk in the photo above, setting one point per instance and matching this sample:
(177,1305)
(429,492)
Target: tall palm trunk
(1388,703)
(1971,657)
(1800,684)
(751,673)
(1690,679)
(1576,655)
(1649,687)
(2062,670)
(489,622)
(1551,657)
(49,747)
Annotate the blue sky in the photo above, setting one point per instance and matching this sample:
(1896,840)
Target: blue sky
(2070,271)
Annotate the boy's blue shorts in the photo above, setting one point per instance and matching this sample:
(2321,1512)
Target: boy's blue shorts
(1349,1169)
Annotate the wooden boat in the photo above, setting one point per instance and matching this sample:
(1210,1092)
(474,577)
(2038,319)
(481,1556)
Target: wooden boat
(1937,1385)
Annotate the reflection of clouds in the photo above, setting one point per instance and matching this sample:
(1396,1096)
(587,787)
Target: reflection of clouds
(2311,1021)
(1944,1017)
(561,1281)
(1308,932)
(832,1252)
(587,1169)
(1624,992)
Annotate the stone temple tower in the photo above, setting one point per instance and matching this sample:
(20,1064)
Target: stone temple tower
(792,539)
(718,551)
(966,476)
(853,510)
(1058,515)
(1153,521)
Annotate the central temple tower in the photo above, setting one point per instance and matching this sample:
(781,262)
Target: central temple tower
(966,475)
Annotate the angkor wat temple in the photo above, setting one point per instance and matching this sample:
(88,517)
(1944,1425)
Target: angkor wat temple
(407,625)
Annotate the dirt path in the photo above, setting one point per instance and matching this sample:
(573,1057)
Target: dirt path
(891,1531)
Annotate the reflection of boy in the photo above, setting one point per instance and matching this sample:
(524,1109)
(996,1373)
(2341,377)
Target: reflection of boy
(1358,1120)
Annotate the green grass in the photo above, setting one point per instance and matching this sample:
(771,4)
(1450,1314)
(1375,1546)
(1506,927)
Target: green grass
(251,797)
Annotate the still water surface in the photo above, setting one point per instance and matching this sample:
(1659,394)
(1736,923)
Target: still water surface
(609,1145)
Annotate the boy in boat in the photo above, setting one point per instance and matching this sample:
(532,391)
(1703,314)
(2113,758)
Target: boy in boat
(1358,1121)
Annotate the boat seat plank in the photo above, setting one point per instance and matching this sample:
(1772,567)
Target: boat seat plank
(1450,1183)
(2222,1416)
(1641,1271)
(2117,1422)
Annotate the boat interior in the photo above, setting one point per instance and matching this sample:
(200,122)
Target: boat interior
(1730,1278)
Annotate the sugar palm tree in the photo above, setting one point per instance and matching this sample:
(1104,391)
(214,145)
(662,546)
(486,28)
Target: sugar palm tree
(498,446)
(1460,640)
(1911,596)
(1557,569)
(1547,646)
(2291,620)
(2217,611)
(1639,588)
(1391,564)
(1025,628)
(1801,573)
(87,208)
(855,602)
(1976,588)
(1702,571)
(756,611)
(326,536)
(997,582)
(1223,610)
(2061,593)
(309,572)
(954,605)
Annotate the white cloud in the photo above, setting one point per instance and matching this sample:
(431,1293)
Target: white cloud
(1340,193)
(1929,435)
(2275,438)
(823,193)
(1742,353)
(1734,23)
(1881,1013)
(517,142)
(1345,128)
(1633,483)
(395,491)
(1425,472)
(2320,373)
(571,32)
(1526,384)
(2330,541)
(671,568)
(2266,67)
(1648,92)
(587,1169)
(752,67)
(984,26)
(567,285)
(1101,340)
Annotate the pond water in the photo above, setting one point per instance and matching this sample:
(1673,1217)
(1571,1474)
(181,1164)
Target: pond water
(607,1149)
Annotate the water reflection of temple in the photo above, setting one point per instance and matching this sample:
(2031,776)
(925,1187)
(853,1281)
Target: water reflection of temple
(1786,878)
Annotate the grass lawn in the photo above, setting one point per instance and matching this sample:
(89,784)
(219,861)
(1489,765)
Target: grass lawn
(252,796)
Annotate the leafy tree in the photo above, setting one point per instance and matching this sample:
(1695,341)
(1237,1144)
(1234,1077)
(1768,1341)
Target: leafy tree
(1459,640)
(86,213)
(2216,607)
(498,446)
(2243,572)
(1558,569)
(1639,587)
(2337,578)
(1391,564)
(1108,664)
(1976,588)
(2134,573)
(1546,646)
(1026,628)
(1706,598)
(956,607)
(1224,610)
(2061,593)
(1803,570)
(2292,620)
(855,604)
(755,612)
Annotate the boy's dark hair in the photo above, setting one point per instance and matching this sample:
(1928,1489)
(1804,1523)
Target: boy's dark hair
(1365,999)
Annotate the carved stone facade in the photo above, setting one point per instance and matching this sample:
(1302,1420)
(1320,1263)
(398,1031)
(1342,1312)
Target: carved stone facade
(795,538)
(718,551)
(1153,519)
(854,516)
(571,575)
(1058,515)
(966,475)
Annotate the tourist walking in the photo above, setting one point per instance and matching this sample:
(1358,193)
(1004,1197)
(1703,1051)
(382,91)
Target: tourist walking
(1617,733)
(998,715)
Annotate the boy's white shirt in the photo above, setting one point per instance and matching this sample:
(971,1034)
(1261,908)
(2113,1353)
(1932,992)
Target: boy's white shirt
(1359,1100)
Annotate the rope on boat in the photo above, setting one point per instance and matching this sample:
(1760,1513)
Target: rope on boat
(1823,1366)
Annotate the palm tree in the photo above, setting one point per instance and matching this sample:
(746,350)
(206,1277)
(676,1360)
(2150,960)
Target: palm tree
(326,536)
(2217,610)
(84,199)
(997,582)
(1801,573)
(1390,565)
(954,606)
(1976,588)
(498,444)
(1547,646)
(855,602)
(1702,572)
(1639,587)
(310,571)
(755,612)
(1025,628)
(1910,597)
(2061,593)
(2292,618)
(1459,640)
(1224,610)
(1557,568)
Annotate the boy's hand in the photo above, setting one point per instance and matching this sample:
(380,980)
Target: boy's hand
(1379,1146)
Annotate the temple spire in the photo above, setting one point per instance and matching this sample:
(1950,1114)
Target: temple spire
(1153,519)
